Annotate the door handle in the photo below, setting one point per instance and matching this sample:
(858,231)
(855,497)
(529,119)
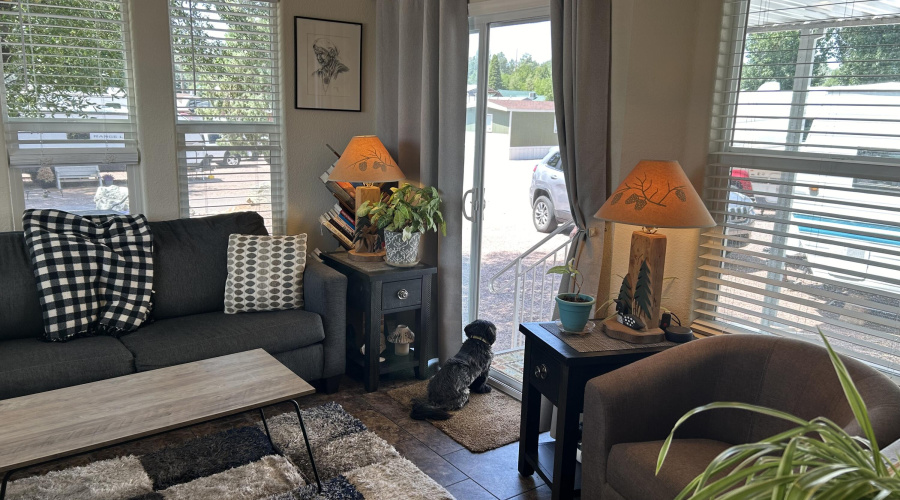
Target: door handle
(466,195)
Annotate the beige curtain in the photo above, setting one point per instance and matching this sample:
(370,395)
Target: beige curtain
(581,36)
(422,57)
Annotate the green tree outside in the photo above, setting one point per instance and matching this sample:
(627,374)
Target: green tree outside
(843,56)
(495,78)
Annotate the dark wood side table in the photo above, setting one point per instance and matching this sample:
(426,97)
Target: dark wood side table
(559,372)
(376,289)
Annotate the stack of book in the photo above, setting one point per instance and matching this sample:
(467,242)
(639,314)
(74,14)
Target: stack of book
(340,223)
(340,220)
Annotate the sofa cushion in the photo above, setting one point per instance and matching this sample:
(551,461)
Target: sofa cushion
(20,308)
(632,467)
(201,336)
(190,261)
(28,366)
(265,273)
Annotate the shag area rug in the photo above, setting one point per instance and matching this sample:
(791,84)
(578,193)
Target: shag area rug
(487,421)
(240,463)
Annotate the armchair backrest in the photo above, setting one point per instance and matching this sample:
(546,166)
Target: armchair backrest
(792,376)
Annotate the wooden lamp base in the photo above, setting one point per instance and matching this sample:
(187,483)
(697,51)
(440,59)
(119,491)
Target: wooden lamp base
(649,249)
(365,256)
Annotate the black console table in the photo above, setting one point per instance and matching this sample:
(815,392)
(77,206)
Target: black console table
(376,289)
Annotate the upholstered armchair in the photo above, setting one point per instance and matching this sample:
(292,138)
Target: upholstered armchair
(630,411)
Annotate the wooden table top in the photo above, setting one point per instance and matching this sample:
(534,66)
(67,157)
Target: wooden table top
(49,425)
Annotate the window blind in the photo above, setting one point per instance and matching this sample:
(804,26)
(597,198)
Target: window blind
(67,83)
(228,100)
(804,176)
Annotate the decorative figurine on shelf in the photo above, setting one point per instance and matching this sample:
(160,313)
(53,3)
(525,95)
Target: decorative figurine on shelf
(467,371)
(401,337)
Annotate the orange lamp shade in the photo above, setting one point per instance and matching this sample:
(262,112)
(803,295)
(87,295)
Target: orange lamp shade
(656,193)
(366,160)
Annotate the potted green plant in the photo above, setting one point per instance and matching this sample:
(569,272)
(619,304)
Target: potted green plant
(404,217)
(815,459)
(574,308)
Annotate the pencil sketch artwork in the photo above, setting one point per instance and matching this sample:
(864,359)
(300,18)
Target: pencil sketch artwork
(330,68)
(328,65)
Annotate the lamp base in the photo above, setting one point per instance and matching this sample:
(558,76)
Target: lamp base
(372,194)
(616,330)
(646,265)
(365,256)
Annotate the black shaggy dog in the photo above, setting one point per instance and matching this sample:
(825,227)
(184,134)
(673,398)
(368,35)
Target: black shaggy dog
(468,370)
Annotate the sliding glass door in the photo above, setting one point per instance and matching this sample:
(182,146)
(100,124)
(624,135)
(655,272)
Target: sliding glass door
(516,207)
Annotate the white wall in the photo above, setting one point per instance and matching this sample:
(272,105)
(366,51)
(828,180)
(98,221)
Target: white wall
(306,131)
(663,72)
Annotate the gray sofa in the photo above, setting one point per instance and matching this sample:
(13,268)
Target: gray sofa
(189,257)
(630,411)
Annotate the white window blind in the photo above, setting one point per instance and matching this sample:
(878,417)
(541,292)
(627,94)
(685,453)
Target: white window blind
(228,98)
(804,176)
(67,83)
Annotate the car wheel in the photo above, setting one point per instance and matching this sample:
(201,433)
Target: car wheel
(543,215)
(232,160)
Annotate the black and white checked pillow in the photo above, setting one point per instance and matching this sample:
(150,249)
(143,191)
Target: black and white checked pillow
(94,274)
(265,273)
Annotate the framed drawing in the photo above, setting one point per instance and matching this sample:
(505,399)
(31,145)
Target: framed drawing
(328,64)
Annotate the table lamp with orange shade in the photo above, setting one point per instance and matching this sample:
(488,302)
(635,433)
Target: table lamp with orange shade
(656,194)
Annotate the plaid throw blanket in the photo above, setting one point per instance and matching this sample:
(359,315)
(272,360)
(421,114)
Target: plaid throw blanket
(94,274)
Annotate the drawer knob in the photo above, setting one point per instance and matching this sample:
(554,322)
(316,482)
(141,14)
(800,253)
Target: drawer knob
(540,371)
(402,294)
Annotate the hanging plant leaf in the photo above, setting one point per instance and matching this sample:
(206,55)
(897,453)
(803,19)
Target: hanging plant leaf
(617,197)
(642,292)
(680,194)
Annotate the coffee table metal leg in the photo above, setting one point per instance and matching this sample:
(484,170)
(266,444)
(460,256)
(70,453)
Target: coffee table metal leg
(266,427)
(4,483)
(312,460)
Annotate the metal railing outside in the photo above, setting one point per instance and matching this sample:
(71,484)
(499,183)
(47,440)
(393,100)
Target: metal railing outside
(534,288)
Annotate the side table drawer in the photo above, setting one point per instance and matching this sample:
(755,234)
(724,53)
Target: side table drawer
(544,373)
(397,294)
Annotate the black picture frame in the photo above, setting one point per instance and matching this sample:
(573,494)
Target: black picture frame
(327,53)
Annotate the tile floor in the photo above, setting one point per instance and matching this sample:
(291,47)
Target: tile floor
(468,476)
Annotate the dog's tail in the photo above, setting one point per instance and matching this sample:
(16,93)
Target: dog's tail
(421,410)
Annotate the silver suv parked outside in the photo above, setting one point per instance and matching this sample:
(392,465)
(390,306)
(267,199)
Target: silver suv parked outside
(549,199)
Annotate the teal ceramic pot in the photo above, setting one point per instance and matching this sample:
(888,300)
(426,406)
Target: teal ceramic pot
(574,315)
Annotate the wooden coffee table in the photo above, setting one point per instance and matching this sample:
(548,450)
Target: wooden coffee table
(50,425)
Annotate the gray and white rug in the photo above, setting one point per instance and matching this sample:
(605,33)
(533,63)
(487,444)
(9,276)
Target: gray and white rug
(240,463)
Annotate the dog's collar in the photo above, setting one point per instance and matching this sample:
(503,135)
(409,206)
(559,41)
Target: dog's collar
(476,337)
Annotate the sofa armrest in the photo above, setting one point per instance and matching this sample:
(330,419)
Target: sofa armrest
(638,403)
(325,293)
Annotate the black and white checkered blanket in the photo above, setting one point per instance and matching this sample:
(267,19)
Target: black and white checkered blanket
(94,274)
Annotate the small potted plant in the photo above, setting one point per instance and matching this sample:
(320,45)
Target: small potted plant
(574,308)
(108,179)
(404,217)
(45,177)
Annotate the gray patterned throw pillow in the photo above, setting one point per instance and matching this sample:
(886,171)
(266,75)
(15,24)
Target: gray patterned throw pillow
(265,273)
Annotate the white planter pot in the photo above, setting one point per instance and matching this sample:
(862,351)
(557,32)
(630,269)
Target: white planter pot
(401,253)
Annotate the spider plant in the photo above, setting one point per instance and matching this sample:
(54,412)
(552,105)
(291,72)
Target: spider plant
(816,459)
